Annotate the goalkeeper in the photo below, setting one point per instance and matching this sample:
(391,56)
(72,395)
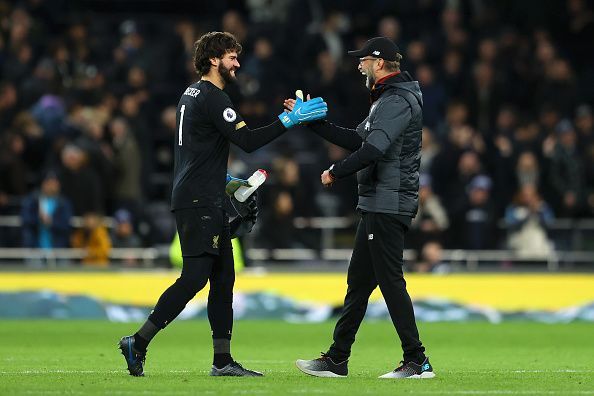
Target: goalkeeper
(207,123)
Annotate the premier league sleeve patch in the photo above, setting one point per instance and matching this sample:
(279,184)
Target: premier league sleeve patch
(229,114)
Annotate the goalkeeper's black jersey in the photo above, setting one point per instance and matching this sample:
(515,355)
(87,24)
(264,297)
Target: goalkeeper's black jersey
(206,122)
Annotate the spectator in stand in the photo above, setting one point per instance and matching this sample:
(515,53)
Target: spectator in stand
(137,121)
(127,164)
(579,28)
(469,166)
(341,199)
(548,119)
(527,220)
(429,150)
(445,165)
(13,170)
(488,51)
(35,145)
(99,154)
(453,75)
(389,27)
(528,171)
(416,54)
(263,65)
(434,96)
(431,220)
(431,259)
(46,216)
(558,87)
(584,125)
(9,105)
(19,63)
(42,80)
(502,135)
(289,180)
(80,183)
(589,180)
(484,97)
(328,81)
(566,171)
(164,150)
(13,182)
(501,152)
(474,222)
(456,117)
(94,238)
(123,235)
(277,230)
(50,112)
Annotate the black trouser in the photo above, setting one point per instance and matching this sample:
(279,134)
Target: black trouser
(377,260)
(206,260)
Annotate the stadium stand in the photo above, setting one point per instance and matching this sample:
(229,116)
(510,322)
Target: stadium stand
(508,146)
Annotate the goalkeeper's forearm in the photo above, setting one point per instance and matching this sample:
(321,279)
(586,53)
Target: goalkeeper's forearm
(252,139)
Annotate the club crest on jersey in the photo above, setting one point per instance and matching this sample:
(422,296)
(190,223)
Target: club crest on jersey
(229,114)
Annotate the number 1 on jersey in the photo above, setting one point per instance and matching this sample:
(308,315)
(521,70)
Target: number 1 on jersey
(181,122)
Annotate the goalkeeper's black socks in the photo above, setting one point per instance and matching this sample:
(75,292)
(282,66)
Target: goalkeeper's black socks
(222,352)
(144,335)
(220,360)
(140,344)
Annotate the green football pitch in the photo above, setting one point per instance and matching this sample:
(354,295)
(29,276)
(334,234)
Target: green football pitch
(80,357)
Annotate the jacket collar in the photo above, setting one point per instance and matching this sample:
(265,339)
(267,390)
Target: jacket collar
(380,85)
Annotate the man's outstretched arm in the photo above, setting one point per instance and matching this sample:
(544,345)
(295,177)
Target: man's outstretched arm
(232,125)
(344,137)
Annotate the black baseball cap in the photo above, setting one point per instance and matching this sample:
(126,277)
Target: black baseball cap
(378,47)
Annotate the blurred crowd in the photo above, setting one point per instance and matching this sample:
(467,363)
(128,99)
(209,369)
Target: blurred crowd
(88,101)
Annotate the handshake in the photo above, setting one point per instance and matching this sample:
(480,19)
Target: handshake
(299,112)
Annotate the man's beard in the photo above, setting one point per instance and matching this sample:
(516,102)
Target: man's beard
(369,79)
(226,74)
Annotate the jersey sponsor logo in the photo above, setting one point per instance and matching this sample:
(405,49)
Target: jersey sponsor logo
(229,114)
(193,92)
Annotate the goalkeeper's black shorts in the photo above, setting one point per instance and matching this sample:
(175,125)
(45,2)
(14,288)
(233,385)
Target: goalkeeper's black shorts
(202,230)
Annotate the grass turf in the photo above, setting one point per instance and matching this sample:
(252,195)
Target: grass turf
(80,357)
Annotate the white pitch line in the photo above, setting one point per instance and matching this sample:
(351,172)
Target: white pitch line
(58,371)
(509,392)
(515,371)
(35,372)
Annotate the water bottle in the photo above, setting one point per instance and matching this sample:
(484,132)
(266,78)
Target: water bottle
(255,180)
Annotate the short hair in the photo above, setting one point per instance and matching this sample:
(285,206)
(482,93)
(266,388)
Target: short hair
(393,66)
(213,45)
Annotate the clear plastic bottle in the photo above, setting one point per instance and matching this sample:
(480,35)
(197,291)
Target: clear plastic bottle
(255,180)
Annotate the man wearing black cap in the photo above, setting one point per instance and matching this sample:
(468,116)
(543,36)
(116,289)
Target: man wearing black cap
(386,151)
